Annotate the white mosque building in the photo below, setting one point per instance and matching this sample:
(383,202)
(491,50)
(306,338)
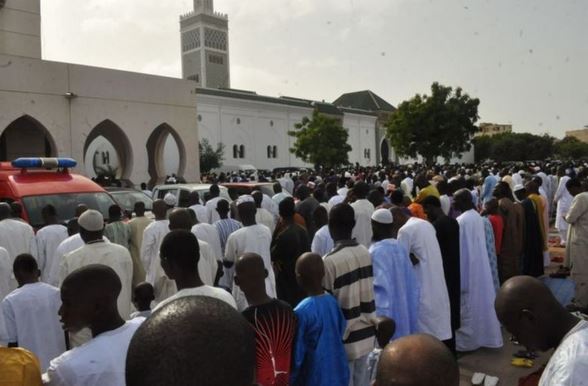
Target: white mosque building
(144,127)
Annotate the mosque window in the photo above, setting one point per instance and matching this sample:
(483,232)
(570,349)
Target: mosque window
(275,151)
(269,151)
(191,40)
(216,59)
(238,122)
(216,39)
(242,151)
(235,151)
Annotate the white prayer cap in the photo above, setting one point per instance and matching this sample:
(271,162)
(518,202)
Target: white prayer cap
(91,220)
(170,199)
(347,175)
(537,168)
(518,187)
(521,171)
(245,198)
(382,216)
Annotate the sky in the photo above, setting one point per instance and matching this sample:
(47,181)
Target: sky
(526,60)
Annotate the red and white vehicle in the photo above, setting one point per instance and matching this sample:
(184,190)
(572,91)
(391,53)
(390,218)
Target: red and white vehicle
(37,182)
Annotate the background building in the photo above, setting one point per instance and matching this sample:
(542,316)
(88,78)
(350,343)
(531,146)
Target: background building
(490,129)
(60,109)
(581,134)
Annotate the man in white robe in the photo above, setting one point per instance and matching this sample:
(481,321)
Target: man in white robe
(211,204)
(152,238)
(16,236)
(98,251)
(419,238)
(577,242)
(528,309)
(5,273)
(101,361)
(137,226)
(195,204)
(363,209)
(31,313)
(322,243)
(563,200)
(48,239)
(479,325)
(263,216)
(253,238)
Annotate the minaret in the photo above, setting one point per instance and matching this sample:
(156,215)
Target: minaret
(205,46)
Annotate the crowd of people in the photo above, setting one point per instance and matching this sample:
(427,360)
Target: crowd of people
(364,276)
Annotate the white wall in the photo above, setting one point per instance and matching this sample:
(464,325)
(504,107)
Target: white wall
(136,103)
(20,28)
(362,135)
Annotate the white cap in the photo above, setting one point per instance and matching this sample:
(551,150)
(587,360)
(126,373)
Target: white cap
(518,187)
(245,198)
(383,216)
(170,199)
(347,175)
(91,220)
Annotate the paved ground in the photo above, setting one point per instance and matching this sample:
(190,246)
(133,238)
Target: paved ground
(497,362)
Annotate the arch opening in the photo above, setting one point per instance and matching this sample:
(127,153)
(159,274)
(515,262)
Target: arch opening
(26,137)
(108,154)
(385,151)
(166,153)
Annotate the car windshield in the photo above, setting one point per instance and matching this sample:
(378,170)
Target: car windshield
(128,198)
(65,204)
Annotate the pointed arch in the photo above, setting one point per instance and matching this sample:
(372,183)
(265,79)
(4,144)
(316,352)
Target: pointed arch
(155,152)
(26,137)
(112,133)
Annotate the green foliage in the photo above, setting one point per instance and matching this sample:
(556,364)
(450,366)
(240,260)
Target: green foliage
(431,126)
(321,141)
(571,148)
(209,157)
(513,147)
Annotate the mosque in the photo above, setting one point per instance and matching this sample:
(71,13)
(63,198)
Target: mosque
(143,127)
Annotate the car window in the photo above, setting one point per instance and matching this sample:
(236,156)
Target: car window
(128,198)
(184,199)
(65,205)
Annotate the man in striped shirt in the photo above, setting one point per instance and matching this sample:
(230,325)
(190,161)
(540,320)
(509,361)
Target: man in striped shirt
(349,277)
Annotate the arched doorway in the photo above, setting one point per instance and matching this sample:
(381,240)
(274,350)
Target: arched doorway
(26,137)
(166,153)
(385,151)
(108,152)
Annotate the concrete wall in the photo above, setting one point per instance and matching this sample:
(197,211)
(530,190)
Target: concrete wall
(20,28)
(135,103)
(362,136)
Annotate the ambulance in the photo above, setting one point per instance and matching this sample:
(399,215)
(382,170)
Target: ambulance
(37,182)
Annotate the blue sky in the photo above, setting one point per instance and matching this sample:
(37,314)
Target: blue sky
(527,60)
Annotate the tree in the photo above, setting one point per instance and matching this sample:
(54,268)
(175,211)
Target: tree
(442,124)
(571,148)
(210,158)
(513,147)
(321,141)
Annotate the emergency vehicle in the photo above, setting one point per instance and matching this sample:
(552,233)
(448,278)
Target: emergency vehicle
(37,182)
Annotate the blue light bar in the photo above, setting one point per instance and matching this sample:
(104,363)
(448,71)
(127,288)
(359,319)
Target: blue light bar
(46,163)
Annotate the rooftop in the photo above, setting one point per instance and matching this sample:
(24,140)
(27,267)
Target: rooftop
(364,100)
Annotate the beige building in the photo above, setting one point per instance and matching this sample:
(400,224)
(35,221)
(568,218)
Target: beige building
(61,109)
(581,134)
(490,129)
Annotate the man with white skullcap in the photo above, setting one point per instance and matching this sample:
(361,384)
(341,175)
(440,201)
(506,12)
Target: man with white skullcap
(395,286)
(252,238)
(171,201)
(98,251)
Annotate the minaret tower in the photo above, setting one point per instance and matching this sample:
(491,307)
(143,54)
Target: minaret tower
(205,46)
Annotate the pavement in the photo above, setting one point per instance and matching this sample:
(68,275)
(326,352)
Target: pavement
(496,362)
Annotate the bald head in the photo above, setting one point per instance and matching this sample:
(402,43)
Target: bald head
(528,310)
(5,211)
(417,360)
(250,274)
(462,200)
(310,271)
(191,340)
(180,219)
(159,209)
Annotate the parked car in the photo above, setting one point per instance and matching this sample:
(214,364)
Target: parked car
(127,197)
(182,192)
